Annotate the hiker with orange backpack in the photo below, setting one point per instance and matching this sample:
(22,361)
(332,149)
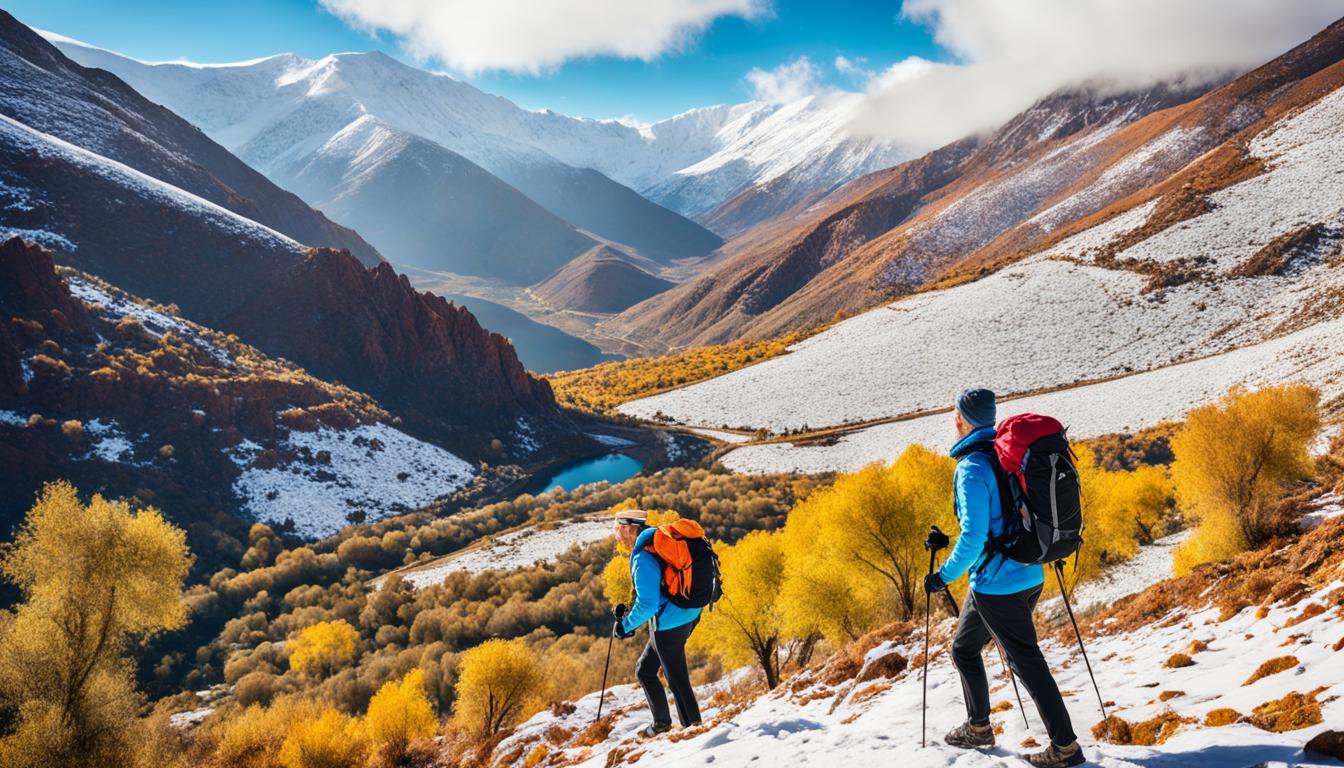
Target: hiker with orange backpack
(675,575)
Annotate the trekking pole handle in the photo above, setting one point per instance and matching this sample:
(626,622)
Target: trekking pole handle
(936,539)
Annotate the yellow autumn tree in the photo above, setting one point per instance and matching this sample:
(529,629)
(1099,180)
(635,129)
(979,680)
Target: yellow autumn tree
(1121,510)
(500,683)
(324,647)
(330,740)
(399,714)
(856,550)
(1235,460)
(747,625)
(94,578)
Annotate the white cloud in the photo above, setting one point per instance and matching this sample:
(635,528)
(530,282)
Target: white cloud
(788,82)
(1013,53)
(852,67)
(536,35)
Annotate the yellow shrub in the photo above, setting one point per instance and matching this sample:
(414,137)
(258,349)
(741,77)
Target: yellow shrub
(330,740)
(855,552)
(1235,461)
(324,647)
(400,713)
(501,682)
(603,387)
(746,626)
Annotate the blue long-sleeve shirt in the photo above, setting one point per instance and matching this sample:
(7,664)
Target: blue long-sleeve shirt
(980,516)
(646,573)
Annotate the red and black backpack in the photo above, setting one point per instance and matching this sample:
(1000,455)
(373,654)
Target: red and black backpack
(1038,490)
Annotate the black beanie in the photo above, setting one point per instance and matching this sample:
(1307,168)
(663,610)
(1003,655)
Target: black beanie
(977,407)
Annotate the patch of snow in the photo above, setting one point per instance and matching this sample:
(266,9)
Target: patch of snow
(26,369)
(524,438)
(108,442)
(189,719)
(722,436)
(373,467)
(1328,506)
(612,440)
(46,238)
(509,551)
(1151,565)
(155,322)
(13,419)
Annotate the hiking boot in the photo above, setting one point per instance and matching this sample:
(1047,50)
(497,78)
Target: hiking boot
(968,736)
(1058,757)
(653,729)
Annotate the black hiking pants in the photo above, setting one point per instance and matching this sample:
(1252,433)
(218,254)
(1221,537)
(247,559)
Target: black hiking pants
(667,649)
(1007,618)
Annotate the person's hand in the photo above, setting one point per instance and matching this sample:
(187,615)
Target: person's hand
(620,630)
(934,583)
(620,610)
(936,539)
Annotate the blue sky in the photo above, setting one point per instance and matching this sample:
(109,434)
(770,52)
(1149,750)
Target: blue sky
(708,70)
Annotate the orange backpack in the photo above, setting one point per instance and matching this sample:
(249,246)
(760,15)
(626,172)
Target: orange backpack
(690,567)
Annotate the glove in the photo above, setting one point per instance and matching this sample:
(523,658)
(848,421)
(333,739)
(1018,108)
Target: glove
(620,630)
(936,540)
(620,610)
(934,583)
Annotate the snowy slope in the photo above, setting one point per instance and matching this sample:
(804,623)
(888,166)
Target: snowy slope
(879,723)
(153,191)
(1127,404)
(1058,318)
(372,468)
(507,551)
(276,110)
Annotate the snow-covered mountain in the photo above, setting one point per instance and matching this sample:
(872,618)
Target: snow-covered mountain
(277,111)
(1226,272)
(424,359)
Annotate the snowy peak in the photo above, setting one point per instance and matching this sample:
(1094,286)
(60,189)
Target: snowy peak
(88,108)
(690,163)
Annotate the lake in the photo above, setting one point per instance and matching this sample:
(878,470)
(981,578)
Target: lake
(612,467)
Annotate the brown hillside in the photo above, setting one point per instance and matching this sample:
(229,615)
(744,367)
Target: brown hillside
(602,280)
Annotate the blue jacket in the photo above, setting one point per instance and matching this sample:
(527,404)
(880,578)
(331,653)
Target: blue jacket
(646,572)
(980,516)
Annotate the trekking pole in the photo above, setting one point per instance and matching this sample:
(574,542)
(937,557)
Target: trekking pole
(605,666)
(1002,658)
(1059,574)
(924,707)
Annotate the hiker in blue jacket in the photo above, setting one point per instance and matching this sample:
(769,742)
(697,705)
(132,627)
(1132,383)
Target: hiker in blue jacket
(670,626)
(1002,596)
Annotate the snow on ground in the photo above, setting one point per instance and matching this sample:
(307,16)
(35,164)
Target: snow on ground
(1327,506)
(1034,325)
(883,726)
(372,467)
(507,551)
(1305,154)
(13,419)
(1049,320)
(1125,404)
(108,442)
(612,440)
(1151,565)
(155,322)
(718,434)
